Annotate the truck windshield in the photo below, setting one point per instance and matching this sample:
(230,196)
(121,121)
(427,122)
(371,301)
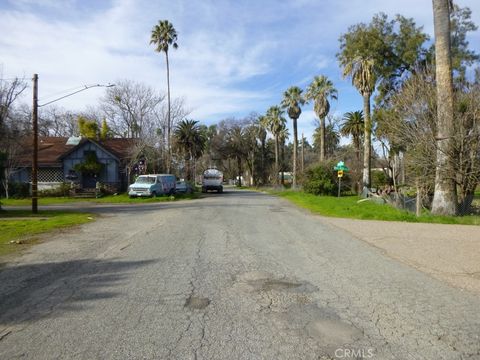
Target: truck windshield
(145,180)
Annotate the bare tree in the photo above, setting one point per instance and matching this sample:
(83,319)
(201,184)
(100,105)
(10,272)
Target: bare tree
(130,108)
(10,134)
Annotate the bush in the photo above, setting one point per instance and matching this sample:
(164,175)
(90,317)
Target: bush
(18,190)
(379,179)
(320,180)
(61,191)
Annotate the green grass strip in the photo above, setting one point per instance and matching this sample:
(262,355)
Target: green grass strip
(350,207)
(110,199)
(20,227)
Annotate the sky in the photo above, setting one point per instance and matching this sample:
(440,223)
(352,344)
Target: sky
(234,57)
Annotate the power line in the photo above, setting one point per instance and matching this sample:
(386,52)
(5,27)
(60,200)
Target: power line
(16,78)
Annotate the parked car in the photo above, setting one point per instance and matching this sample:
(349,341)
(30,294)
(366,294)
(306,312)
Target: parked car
(153,185)
(183,187)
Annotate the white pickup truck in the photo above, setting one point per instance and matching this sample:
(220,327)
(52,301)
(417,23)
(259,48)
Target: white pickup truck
(212,179)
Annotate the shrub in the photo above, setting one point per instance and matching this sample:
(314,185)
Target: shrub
(320,180)
(379,179)
(60,191)
(18,190)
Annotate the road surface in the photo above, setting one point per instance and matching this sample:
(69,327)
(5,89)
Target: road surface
(239,275)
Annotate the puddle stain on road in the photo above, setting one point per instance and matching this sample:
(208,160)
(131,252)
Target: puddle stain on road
(197,303)
(321,324)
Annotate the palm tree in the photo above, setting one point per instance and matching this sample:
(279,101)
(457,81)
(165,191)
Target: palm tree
(445,195)
(364,78)
(163,36)
(283,136)
(262,137)
(320,90)
(275,122)
(237,147)
(191,140)
(354,126)
(292,100)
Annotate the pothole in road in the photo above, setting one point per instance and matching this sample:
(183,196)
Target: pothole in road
(197,303)
(262,281)
(321,324)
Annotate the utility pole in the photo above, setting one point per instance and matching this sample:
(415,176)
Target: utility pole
(35,145)
(35,133)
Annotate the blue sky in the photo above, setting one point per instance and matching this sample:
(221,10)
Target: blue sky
(234,57)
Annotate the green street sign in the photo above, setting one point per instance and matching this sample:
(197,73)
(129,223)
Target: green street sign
(341,166)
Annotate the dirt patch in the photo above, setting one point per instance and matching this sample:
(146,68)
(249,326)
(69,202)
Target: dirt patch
(450,253)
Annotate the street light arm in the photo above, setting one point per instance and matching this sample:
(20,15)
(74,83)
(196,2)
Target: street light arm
(86,87)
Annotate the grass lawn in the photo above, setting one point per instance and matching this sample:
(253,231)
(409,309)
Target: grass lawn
(349,207)
(109,199)
(21,226)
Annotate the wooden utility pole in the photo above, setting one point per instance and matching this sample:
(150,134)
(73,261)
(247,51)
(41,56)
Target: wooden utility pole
(35,145)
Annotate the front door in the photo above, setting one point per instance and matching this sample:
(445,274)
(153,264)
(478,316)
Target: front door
(89,181)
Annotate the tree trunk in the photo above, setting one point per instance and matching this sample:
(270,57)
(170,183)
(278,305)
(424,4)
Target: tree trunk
(295,145)
(445,195)
(239,167)
(418,203)
(322,139)
(367,143)
(264,178)
(283,162)
(276,159)
(169,124)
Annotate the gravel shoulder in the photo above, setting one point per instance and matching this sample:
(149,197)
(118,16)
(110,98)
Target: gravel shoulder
(450,253)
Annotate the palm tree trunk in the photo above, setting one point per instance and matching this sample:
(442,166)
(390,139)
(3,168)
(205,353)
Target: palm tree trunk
(276,159)
(322,139)
(295,144)
(445,195)
(367,144)
(169,124)
(356,144)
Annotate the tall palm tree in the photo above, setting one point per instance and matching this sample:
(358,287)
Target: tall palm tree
(354,125)
(445,195)
(163,36)
(191,140)
(275,122)
(364,78)
(292,100)
(320,91)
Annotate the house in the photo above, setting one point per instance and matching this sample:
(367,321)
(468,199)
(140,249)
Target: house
(78,160)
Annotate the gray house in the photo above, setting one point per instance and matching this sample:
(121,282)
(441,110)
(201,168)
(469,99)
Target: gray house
(78,160)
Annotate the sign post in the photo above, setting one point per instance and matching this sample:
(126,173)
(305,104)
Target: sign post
(340,168)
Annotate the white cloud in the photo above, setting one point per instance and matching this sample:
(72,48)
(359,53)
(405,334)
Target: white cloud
(233,57)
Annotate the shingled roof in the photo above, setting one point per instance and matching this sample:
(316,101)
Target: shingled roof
(52,149)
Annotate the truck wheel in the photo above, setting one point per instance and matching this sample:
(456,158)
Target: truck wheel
(154,194)
(220,190)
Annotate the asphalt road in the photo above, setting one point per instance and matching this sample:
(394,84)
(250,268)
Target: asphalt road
(239,275)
